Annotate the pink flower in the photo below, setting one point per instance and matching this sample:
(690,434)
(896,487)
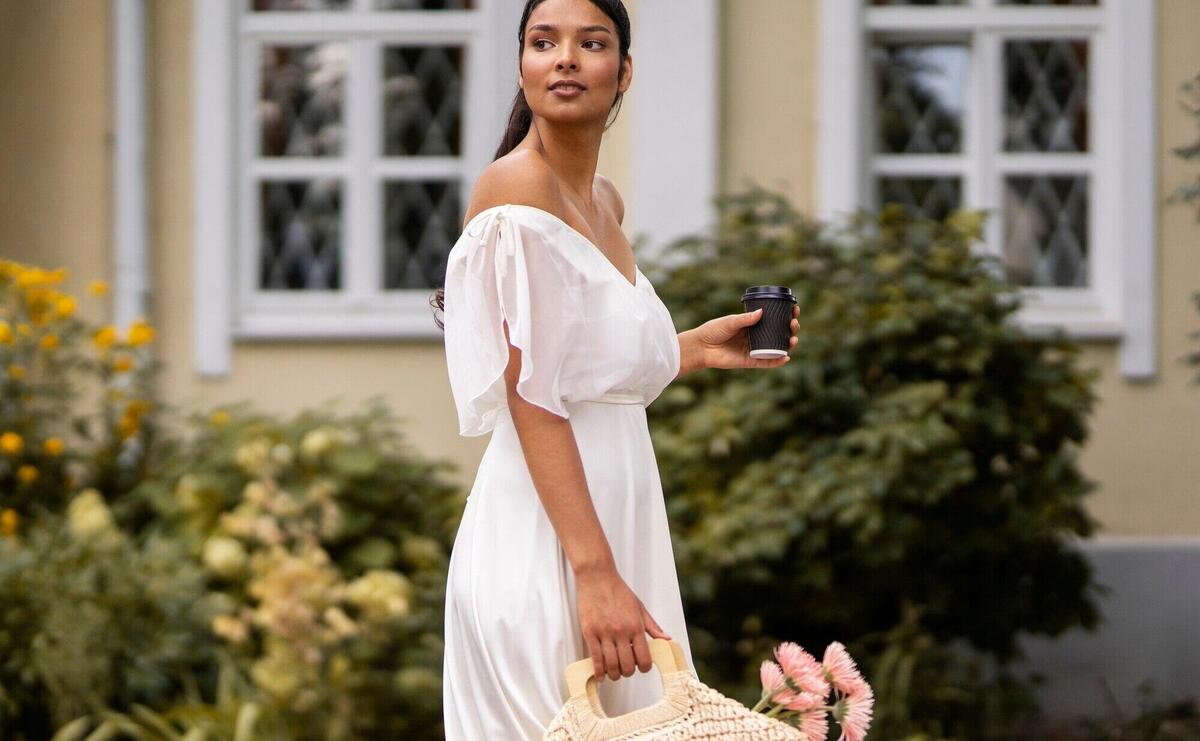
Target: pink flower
(814,726)
(802,668)
(853,713)
(774,685)
(840,669)
(771,676)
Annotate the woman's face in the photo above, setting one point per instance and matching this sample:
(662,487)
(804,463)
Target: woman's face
(571,39)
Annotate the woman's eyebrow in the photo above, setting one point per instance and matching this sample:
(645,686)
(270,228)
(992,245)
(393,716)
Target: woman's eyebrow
(583,29)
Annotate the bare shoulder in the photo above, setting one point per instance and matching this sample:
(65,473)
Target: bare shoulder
(521,177)
(609,190)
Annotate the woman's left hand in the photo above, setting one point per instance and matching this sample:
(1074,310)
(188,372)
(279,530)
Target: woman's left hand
(725,342)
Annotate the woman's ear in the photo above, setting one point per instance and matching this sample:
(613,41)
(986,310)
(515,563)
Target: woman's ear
(627,74)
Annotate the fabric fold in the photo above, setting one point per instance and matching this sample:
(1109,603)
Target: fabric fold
(514,279)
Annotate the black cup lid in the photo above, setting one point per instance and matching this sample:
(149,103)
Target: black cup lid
(776,292)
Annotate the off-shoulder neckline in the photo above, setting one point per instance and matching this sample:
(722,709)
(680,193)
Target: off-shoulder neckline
(637,271)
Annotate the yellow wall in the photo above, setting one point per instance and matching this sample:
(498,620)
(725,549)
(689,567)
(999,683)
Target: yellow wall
(768,97)
(1145,445)
(54,157)
(55,207)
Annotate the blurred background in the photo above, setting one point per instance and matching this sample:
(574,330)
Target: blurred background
(981,475)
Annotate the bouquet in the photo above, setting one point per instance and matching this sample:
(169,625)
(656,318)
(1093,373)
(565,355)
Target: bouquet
(801,691)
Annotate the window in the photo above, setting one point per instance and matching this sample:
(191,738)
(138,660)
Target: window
(1036,111)
(336,143)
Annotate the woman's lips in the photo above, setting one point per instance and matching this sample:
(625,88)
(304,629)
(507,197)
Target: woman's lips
(566,91)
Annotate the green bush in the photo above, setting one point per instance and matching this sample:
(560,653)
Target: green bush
(907,484)
(225,574)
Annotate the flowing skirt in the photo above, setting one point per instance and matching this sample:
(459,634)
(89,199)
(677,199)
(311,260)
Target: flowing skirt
(512,622)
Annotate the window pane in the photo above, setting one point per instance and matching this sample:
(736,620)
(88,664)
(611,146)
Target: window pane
(934,198)
(300,243)
(422,100)
(425,4)
(257,5)
(422,220)
(1046,230)
(1048,2)
(1046,96)
(920,89)
(300,100)
(918,2)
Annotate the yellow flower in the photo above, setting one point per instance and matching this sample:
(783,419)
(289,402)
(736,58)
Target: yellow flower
(6,333)
(219,418)
(122,364)
(97,288)
(9,519)
(106,336)
(27,474)
(33,277)
(16,371)
(140,333)
(49,342)
(24,329)
(53,446)
(230,628)
(137,407)
(65,306)
(127,426)
(88,514)
(224,556)
(11,443)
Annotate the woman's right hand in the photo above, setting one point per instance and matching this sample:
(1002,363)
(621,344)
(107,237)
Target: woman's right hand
(615,623)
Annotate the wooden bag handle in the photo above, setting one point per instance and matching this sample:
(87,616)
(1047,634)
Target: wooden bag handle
(666,654)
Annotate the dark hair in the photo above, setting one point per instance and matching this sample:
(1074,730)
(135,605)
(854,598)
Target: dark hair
(521,117)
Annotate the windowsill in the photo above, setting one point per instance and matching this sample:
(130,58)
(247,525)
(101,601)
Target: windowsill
(406,315)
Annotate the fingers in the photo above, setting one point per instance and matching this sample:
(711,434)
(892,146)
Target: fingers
(612,662)
(625,659)
(597,656)
(641,653)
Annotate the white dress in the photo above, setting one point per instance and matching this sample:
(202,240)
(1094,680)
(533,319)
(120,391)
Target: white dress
(595,349)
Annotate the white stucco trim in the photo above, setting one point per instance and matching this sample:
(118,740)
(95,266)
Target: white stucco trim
(1122,303)
(213,120)
(129,170)
(674,149)
(840,92)
(1139,145)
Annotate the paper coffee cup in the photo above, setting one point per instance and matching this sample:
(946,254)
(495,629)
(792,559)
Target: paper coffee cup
(771,335)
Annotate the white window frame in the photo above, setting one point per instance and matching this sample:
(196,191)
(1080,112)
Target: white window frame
(1119,302)
(226,306)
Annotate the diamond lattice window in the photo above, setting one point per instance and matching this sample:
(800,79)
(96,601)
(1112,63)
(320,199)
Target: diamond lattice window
(355,151)
(991,110)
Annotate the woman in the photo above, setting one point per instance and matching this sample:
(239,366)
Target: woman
(556,342)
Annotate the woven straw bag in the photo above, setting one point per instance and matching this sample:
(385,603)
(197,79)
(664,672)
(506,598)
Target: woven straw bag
(689,709)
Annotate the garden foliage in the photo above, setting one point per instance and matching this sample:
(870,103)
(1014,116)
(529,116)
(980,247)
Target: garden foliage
(907,484)
(229,575)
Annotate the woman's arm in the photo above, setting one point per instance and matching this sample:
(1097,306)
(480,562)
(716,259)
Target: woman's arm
(613,620)
(691,354)
(552,456)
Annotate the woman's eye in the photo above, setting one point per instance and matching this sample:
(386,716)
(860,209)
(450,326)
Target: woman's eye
(535,43)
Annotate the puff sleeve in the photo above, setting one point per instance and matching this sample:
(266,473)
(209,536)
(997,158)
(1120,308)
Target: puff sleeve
(503,269)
